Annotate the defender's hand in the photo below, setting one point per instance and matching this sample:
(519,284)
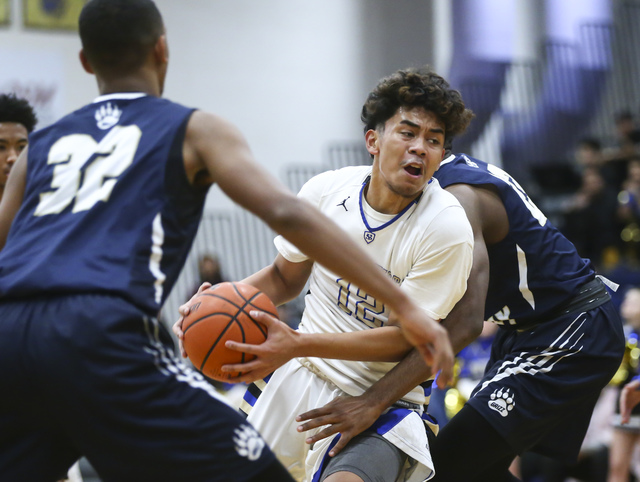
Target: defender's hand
(347,415)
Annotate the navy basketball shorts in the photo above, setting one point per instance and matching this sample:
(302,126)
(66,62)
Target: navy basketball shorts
(92,375)
(540,385)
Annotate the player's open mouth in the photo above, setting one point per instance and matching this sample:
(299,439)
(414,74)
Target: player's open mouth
(413,170)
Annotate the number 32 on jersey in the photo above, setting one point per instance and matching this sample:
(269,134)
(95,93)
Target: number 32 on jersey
(86,171)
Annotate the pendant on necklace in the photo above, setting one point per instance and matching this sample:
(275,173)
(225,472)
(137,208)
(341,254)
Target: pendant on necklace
(369,237)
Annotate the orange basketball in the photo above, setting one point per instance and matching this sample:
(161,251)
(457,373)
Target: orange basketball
(218,314)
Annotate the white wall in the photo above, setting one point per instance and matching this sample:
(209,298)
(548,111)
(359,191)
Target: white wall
(291,74)
(282,70)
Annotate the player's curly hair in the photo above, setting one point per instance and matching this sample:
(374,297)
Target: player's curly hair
(416,88)
(15,109)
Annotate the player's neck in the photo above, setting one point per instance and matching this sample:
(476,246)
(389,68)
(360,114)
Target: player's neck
(383,200)
(129,83)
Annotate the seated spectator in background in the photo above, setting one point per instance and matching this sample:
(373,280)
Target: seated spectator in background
(17,121)
(626,436)
(209,271)
(290,313)
(629,208)
(628,137)
(590,220)
(589,154)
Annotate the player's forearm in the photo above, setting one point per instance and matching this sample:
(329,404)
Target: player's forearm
(386,344)
(271,284)
(464,325)
(399,381)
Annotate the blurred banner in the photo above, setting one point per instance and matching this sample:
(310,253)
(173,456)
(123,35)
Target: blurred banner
(52,14)
(5,12)
(38,76)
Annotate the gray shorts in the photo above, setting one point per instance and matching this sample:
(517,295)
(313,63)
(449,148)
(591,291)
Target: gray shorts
(370,456)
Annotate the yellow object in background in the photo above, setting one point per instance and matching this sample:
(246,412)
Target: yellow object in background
(5,11)
(52,14)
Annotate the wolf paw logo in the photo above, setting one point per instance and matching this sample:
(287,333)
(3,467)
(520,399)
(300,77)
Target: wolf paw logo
(107,116)
(248,442)
(469,162)
(502,401)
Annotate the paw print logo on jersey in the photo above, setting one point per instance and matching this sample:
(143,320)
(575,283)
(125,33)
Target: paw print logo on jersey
(248,442)
(107,116)
(502,401)
(469,162)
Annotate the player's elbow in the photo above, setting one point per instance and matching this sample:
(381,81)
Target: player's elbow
(471,331)
(285,215)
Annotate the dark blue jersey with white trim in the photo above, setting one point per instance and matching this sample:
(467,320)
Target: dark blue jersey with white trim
(107,207)
(535,269)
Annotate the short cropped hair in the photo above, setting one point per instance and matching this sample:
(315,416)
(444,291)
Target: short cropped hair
(117,35)
(15,109)
(416,88)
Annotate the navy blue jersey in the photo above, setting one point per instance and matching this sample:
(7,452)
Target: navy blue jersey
(535,269)
(107,207)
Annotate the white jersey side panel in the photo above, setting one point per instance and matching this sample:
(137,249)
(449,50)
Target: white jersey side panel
(428,251)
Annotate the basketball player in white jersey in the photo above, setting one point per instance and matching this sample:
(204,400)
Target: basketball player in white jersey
(417,233)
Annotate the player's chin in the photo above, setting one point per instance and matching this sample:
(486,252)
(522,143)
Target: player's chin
(410,189)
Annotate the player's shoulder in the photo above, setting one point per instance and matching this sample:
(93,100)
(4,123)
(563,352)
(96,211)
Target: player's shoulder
(333,181)
(435,198)
(439,208)
(462,163)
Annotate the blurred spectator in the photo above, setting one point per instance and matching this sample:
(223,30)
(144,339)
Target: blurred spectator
(629,209)
(590,220)
(628,137)
(209,270)
(290,313)
(626,437)
(589,154)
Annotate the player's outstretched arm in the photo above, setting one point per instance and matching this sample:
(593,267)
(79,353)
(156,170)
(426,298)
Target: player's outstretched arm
(216,150)
(386,344)
(351,415)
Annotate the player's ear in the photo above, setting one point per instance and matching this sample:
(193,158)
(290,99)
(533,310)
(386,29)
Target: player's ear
(161,50)
(371,141)
(85,63)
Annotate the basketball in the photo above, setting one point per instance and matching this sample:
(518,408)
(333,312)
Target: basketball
(218,314)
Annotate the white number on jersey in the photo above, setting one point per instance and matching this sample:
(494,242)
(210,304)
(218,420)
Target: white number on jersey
(533,209)
(365,308)
(85,171)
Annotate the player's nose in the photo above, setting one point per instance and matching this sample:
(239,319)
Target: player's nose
(418,147)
